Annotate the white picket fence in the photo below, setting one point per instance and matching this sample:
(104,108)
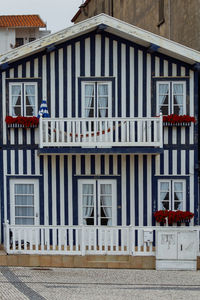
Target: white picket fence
(101,132)
(84,240)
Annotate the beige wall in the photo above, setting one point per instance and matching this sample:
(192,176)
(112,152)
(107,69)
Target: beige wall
(182,17)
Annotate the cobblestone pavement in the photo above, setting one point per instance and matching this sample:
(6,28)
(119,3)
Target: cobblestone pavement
(57,284)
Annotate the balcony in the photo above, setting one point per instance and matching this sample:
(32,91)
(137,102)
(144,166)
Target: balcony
(101,133)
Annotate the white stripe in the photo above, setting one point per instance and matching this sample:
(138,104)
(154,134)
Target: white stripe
(149,191)
(132,191)
(140,83)
(141,188)
(166,134)
(12,161)
(115,75)
(20,160)
(98,55)
(191,168)
(106,167)
(165,68)
(5,183)
(69,82)
(12,73)
(77,49)
(37,163)
(28,68)
(114,164)
(52,82)
(70,195)
(28,136)
(148,92)
(166,162)
(182,162)
(182,135)
(62,184)
(44,77)
(20,71)
(78,164)
(157,66)
(46,204)
(174,135)
(106,57)
(87,165)
(4,106)
(28,162)
(123,184)
(60,70)
(174,162)
(87,57)
(20,138)
(174,70)
(97,164)
(123,80)
(183,71)
(36,73)
(157,161)
(53,187)
(132,88)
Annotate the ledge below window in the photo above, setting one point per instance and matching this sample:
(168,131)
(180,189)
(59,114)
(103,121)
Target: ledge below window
(184,124)
(21,126)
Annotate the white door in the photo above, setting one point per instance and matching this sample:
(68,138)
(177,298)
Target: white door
(187,248)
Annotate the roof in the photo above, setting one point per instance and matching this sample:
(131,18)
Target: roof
(111,25)
(79,11)
(21,21)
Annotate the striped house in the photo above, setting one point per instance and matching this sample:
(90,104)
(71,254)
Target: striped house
(104,161)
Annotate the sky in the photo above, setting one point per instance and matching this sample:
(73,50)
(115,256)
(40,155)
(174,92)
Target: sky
(56,13)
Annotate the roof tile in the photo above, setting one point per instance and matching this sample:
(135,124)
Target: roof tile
(21,21)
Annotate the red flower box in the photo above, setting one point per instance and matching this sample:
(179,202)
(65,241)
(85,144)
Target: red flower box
(22,122)
(176,120)
(173,216)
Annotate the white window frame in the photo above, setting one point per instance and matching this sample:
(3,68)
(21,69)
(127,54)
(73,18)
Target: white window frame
(96,83)
(36,198)
(96,183)
(170,102)
(171,193)
(23,98)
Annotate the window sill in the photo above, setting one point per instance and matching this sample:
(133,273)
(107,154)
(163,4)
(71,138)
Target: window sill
(21,126)
(183,124)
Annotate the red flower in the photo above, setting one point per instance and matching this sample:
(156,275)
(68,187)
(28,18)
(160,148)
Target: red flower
(27,122)
(178,119)
(173,216)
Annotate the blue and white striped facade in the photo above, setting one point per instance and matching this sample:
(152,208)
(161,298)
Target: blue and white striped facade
(134,72)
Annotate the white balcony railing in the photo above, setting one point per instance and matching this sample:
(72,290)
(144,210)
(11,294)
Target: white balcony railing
(101,132)
(86,240)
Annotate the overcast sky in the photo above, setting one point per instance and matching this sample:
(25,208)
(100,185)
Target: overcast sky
(57,13)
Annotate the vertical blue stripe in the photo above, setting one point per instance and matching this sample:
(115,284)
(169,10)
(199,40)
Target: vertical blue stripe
(8,161)
(82,164)
(16,136)
(56,85)
(32,136)
(127,81)
(102,55)
(24,162)
(50,189)
(178,135)
(58,188)
(65,81)
(179,161)
(66,189)
(82,57)
(161,67)
(136,191)
(73,68)
(170,161)
(187,162)
(119,78)
(16,162)
(40,65)
(41,195)
(102,164)
(119,171)
(32,67)
(110,164)
(24,69)
(92,55)
(24,134)
(145,189)
(32,162)
(75,192)
(48,70)
(187,135)
(169,68)
(161,163)
(127,190)
(92,161)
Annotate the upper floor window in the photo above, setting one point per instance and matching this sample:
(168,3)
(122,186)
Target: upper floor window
(171,97)
(23,99)
(19,42)
(97,98)
(171,194)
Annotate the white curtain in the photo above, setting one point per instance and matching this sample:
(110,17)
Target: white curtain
(178,195)
(89,94)
(163,94)
(106,201)
(16,99)
(88,201)
(30,93)
(24,196)
(103,100)
(164,194)
(178,97)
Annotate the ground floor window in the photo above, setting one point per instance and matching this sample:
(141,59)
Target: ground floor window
(24,201)
(171,194)
(97,202)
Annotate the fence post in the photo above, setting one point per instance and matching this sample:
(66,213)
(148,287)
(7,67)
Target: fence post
(83,241)
(40,132)
(6,236)
(131,240)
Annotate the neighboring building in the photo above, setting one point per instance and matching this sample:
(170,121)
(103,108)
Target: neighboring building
(17,30)
(177,20)
(104,157)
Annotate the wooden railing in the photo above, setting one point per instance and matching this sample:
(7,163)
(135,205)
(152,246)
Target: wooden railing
(84,240)
(101,132)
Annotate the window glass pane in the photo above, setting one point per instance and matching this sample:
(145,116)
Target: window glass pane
(24,211)
(30,111)
(30,90)
(163,100)
(24,221)
(106,189)
(16,111)
(16,90)
(164,195)
(24,189)
(102,89)
(178,205)
(178,186)
(163,89)
(164,205)
(164,186)
(89,90)
(24,200)
(178,89)
(88,201)
(88,189)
